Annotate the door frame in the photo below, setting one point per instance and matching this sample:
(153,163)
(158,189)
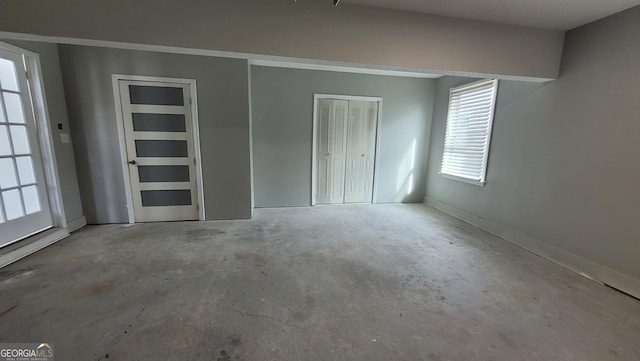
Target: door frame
(60,227)
(314,165)
(45,135)
(126,178)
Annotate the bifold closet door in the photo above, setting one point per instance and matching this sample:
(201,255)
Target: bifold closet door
(331,150)
(361,151)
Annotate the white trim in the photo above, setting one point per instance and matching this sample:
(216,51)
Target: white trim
(461,179)
(314,152)
(123,148)
(572,261)
(115,78)
(354,67)
(341,69)
(314,165)
(490,130)
(50,165)
(33,245)
(347,97)
(253,194)
(77,223)
(376,163)
(193,90)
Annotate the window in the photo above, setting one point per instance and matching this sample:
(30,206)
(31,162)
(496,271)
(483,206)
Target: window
(469,121)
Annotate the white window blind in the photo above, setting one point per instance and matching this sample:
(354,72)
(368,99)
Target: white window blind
(469,121)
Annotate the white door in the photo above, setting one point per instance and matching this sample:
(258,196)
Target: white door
(158,128)
(345,150)
(331,150)
(361,151)
(24,205)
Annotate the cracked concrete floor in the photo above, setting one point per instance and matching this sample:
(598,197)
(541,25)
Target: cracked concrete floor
(353,282)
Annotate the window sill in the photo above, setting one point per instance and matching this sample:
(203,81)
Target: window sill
(461,179)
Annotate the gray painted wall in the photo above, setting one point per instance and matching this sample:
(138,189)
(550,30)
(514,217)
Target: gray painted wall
(564,160)
(282,131)
(304,30)
(65,159)
(223,107)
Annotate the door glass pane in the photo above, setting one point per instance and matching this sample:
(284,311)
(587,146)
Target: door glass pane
(163,173)
(179,197)
(161,148)
(5,148)
(1,217)
(25,170)
(8,79)
(144,122)
(20,139)
(155,95)
(12,204)
(8,177)
(31,200)
(13,106)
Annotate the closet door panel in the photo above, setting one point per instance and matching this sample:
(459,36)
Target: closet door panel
(331,150)
(361,147)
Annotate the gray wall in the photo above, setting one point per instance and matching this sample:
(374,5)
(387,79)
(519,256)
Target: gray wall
(282,131)
(564,160)
(65,159)
(223,107)
(304,29)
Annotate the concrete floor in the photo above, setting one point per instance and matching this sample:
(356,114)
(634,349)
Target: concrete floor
(357,282)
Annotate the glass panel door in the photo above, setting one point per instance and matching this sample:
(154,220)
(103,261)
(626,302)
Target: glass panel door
(24,206)
(159,138)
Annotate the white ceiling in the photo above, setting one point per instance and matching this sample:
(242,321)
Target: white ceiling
(547,14)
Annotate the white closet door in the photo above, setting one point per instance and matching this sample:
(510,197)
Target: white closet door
(361,149)
(331,150)
(24,204)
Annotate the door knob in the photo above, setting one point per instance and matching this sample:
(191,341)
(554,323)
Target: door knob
(132,162)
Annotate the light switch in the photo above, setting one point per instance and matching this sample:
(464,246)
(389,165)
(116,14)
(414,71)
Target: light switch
(64,137)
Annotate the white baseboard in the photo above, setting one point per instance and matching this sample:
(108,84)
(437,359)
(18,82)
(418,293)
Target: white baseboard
(75,224)
(583,266)
(32,245)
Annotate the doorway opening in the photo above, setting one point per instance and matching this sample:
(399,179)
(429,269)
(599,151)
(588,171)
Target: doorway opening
(344,156)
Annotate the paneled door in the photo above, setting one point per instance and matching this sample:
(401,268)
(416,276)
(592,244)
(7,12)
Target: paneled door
(24,205)
(158,129)
(361,151)
(346,133)
(331,150)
